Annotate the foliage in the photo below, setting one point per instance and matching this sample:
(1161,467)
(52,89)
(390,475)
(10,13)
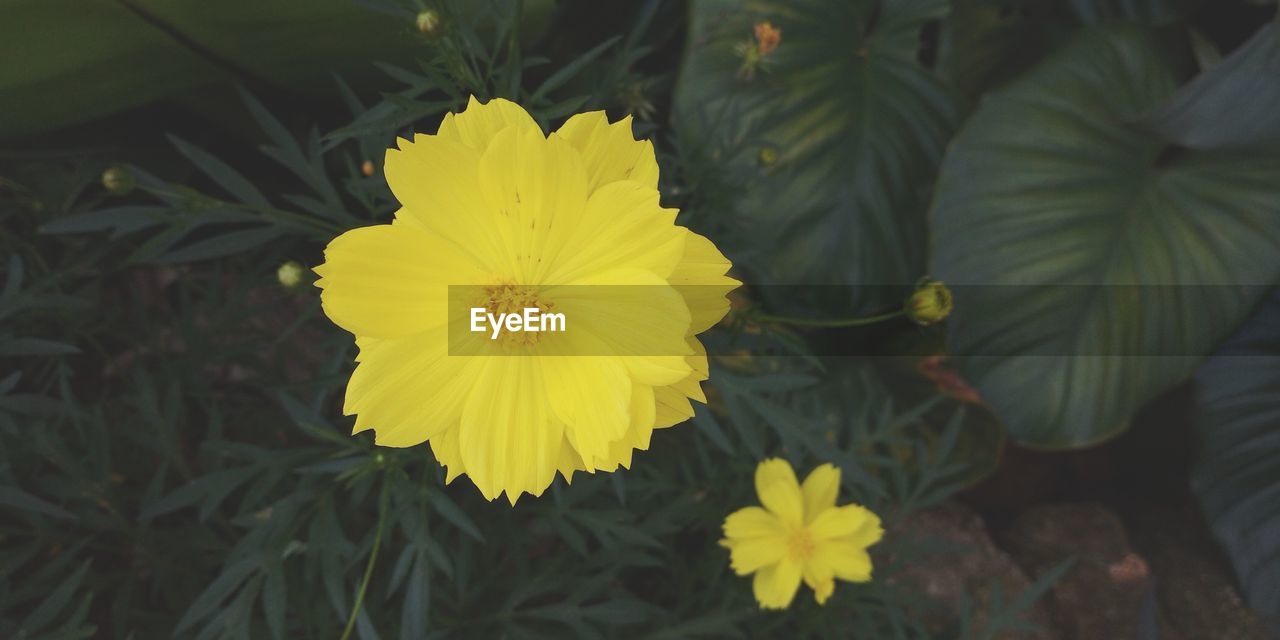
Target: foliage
(1103,229)
(1236,470)
(854,135)
(1088,285)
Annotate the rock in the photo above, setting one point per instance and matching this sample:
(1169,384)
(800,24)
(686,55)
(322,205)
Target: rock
(968,573)
(1107,592)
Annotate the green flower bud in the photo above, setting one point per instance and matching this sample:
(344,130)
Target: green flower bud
(768,156)
(118,181)
(290,274)
(428,23)
(930,304)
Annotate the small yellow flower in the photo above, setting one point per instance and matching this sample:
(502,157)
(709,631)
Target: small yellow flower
(510,218)
(289,274)
(800,533)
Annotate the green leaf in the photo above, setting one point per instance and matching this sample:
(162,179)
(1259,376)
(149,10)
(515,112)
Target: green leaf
(19,499)
(218,171)
(120,220)
(12,347)
(456,516)
(220,245)
(858,126)
(1237,470)
(77,60)
(1233,104)
(1096,264)
(53,604)
(983,44)
(568,71)
(275,601)
(1148,12)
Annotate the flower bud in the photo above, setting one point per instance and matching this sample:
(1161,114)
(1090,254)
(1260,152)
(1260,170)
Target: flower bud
(118,181)
(428,23)
(367,168)
(768,156)
(289,274)
(930,304)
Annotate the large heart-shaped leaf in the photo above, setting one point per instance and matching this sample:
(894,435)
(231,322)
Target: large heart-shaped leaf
(1101,263)
(1233,106)
(857,125)
(1237,471)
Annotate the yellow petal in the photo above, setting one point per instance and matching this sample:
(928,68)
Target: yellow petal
(699,277)
(847,561)
(779,490)
(437,182)
(389,281)
(623,312)
(444,446)
(538,190)
(820,579)
(622,227)
(775,586)
(753,522)
(610,151)
(476,126)
(753,554)
(869,531)
(408,389)
(638,435)
(691,385)
(839,522)
(507,441)
(591,395)
(658,370)
(672,407)
(820,489)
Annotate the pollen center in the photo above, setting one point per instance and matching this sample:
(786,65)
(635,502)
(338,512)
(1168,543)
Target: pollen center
(508,298)
(800,544)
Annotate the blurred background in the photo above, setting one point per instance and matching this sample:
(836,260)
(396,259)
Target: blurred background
(1079,440)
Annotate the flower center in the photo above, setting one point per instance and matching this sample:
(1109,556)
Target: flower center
(508,298)
(800,544)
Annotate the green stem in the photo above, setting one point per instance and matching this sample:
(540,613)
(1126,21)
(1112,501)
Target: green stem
(368,568)
(836,323)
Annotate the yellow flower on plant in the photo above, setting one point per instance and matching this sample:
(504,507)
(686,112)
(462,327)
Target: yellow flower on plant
(502,217)
(799,534)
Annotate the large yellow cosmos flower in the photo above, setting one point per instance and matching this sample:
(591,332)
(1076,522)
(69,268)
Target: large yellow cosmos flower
(494,209)
(800,533)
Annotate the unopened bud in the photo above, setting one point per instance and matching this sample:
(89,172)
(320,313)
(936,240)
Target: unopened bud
(118,181)
(930,304)
(367,168)
(428,23)
(768,156)
(290,274)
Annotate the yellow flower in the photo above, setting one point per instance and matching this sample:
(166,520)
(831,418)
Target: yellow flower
(500,214)
(800,533)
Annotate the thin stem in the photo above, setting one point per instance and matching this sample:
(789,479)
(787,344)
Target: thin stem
(835,323)
(373,557)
